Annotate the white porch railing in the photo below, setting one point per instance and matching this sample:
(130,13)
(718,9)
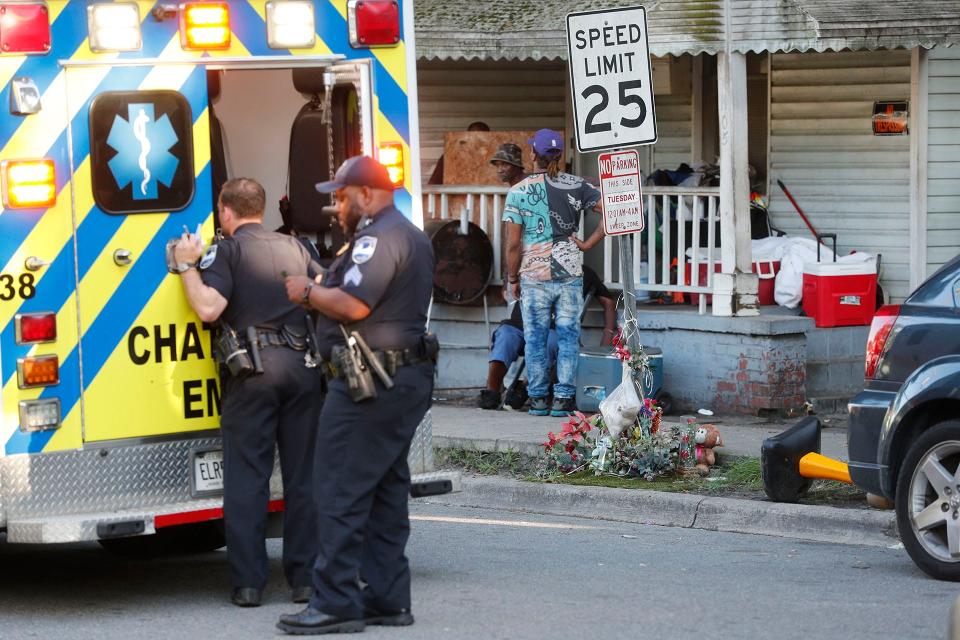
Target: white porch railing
(656,271)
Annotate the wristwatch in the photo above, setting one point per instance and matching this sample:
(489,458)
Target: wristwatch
(305,297)
(183,267)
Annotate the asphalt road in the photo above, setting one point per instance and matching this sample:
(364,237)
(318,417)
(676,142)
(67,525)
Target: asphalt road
(493,574)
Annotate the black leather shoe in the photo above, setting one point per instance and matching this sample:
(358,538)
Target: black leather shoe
(301,595)
(246,597)
(312,622)
(401,618)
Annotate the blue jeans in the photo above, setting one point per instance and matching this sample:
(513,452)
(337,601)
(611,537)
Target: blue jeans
(541,302)
(508,344)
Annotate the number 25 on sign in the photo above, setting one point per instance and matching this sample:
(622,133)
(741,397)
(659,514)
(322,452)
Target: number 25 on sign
(611,79)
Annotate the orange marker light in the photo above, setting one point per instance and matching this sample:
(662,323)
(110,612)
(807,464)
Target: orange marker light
(204,25)
(28,184)
(391,156)
(38,371)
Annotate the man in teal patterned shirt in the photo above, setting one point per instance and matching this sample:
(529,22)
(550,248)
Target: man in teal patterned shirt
(545,268)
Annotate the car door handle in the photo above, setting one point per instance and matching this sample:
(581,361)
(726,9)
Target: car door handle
(122,257)
(33,263)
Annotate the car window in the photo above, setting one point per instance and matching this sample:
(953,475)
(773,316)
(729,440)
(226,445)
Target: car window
(940,289)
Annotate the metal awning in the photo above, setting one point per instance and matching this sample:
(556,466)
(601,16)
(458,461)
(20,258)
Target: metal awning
(534,29)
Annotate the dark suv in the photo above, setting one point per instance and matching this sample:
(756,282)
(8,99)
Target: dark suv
(904,433)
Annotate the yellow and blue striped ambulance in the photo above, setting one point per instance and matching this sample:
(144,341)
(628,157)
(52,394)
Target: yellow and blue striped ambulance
(118,123)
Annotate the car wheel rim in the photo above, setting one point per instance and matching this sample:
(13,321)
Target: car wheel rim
(934,501)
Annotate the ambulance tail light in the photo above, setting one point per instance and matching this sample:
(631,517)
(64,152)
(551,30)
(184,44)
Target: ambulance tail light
(29,184)
(114,26)
(204,25)
(40,415)
(32,328)
(391,156)
(373,23)
(38,371)
(24,27)
(291,24)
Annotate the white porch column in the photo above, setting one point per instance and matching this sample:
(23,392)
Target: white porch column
(735,288)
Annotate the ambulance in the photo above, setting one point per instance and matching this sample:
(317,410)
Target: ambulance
(119,122)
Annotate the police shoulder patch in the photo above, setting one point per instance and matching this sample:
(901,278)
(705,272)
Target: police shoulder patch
(363,249)
(208,257)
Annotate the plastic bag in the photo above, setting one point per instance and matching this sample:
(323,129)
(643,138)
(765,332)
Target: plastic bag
(621,407)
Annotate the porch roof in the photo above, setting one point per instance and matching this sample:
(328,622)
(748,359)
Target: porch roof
(535,29)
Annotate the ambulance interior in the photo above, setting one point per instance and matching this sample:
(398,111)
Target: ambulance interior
(278,126)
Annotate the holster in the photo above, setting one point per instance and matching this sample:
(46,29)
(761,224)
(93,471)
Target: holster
(230,352)
(349,365)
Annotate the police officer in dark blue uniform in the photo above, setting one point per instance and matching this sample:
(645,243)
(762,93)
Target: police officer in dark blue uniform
(376,292)
(238,281)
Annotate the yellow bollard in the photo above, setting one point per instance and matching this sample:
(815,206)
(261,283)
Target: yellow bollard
(814,465)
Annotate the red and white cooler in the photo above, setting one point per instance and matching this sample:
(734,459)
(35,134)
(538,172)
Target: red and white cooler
(840,294)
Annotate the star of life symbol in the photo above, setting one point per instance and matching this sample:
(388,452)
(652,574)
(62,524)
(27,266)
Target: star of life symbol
(143,157)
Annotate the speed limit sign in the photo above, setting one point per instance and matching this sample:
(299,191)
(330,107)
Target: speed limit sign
(611,79)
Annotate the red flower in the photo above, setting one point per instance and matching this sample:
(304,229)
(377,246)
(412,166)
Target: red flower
(684,454)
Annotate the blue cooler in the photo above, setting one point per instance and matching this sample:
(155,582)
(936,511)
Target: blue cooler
(599,372)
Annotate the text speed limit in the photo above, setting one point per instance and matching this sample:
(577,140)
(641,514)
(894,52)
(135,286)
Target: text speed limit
(610,79)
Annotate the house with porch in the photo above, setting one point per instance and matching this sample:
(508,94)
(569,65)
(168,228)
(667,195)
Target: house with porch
(768,91)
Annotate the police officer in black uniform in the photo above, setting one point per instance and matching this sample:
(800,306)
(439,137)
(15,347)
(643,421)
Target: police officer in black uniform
(239,281)
(378,287)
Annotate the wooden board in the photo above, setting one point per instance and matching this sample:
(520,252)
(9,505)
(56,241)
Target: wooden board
(466,155)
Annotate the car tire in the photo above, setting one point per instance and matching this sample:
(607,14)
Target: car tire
(202,537)
(928,501)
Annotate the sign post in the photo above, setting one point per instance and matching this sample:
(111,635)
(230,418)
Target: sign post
(612,88)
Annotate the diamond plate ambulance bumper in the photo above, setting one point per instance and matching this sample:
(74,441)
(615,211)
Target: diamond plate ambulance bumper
(64,496)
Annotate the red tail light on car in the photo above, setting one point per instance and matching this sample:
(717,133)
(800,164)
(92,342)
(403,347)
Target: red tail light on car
(880,328)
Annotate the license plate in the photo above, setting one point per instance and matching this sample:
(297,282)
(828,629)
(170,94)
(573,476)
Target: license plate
(208,471)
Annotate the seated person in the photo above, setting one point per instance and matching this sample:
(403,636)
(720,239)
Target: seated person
(508,344)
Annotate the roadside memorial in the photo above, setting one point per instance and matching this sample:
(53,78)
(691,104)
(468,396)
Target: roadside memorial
(646,449)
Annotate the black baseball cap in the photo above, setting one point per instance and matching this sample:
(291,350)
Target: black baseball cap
(358,171)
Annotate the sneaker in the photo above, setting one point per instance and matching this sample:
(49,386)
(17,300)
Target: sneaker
(563,407)
(539,407)
(489,399)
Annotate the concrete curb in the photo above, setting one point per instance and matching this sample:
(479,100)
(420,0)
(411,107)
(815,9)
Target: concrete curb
(486,445)
(803,522)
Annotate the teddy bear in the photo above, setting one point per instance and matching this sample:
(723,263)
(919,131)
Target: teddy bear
(706,438)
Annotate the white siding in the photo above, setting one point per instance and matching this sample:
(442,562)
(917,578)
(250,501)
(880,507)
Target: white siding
(674,123)
(506,95)
(943,157)
(847,180)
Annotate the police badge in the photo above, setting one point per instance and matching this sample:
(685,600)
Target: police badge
(208,257)
(363,249)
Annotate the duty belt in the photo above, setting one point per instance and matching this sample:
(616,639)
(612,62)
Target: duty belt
(391,359)
(270,338)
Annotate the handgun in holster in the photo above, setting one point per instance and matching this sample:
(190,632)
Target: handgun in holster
(231,353)
(358,364)
(254,343)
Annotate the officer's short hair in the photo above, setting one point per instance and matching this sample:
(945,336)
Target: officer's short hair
(245,196)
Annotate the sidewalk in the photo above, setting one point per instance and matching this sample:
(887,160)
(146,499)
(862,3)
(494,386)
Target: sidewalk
(462,427)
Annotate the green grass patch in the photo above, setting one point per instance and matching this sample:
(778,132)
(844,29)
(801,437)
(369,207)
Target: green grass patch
(509,463)
(733,477)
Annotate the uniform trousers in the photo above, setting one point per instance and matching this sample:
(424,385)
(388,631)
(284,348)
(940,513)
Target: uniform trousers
(363,484)
(261,413)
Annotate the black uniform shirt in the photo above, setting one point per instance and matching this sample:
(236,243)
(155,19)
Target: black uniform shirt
(247,269)
(389,266)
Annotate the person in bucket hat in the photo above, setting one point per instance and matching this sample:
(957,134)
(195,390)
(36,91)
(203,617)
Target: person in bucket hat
(508,161)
